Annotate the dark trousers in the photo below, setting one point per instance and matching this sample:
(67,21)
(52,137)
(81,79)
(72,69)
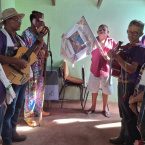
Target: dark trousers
(141,120)
(12,113)
(129,131)
(1,117)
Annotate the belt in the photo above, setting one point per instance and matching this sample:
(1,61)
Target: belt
(123,81)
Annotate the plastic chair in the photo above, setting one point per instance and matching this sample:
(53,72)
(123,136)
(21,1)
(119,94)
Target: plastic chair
(69,81)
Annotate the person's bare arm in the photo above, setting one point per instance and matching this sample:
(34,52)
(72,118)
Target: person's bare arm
(137,98)
(21,63)
(133,107)
(39,46)
(130,68)
(133,102)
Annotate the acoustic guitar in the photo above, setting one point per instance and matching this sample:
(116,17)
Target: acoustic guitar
(21,76)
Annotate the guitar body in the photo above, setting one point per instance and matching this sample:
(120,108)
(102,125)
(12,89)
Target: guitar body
(14,73)
(116,68)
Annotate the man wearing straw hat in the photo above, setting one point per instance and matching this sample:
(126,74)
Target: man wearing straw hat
(9,44)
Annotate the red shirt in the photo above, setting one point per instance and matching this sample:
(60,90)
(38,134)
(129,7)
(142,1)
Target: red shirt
(99,66)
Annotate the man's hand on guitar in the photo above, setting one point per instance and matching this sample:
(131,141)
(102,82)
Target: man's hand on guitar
(113,54)
(21,63)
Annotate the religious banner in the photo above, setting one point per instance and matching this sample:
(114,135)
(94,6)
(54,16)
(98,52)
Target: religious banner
(78,42)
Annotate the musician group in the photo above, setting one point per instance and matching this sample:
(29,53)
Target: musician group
(130,90)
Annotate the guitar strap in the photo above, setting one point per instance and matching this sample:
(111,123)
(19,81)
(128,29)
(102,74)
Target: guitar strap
(49,49)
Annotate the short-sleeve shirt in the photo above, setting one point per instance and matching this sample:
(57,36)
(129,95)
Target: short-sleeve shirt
(134,54)
(99,66)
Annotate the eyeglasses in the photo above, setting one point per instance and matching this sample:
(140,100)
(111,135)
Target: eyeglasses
(18,20)
(134,33)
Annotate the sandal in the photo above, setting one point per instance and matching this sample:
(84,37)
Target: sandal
(44,114)
(90,111)
(106,114)
(31,123)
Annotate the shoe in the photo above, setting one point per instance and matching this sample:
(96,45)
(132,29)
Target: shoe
(106,114)
(44,114)
(18,138)
(6,143)
(31,123)
(117,140)
(90,111)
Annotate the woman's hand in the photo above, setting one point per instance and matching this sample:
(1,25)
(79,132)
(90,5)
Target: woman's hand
(131,99)
(46,53)
(43,53)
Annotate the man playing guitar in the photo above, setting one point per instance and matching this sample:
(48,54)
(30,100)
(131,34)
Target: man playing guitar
(9,44)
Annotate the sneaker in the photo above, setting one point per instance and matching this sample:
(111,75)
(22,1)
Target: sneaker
(18,138)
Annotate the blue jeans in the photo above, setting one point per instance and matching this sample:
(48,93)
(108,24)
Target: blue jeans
(12,113)
(1,117)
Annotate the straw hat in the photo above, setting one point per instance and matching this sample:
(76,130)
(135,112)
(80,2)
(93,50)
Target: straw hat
(8,13)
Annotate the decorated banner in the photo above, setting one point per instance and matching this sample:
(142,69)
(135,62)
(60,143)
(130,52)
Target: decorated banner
(78,42)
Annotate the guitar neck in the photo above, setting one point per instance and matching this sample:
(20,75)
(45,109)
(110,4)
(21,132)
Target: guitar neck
(32,48)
